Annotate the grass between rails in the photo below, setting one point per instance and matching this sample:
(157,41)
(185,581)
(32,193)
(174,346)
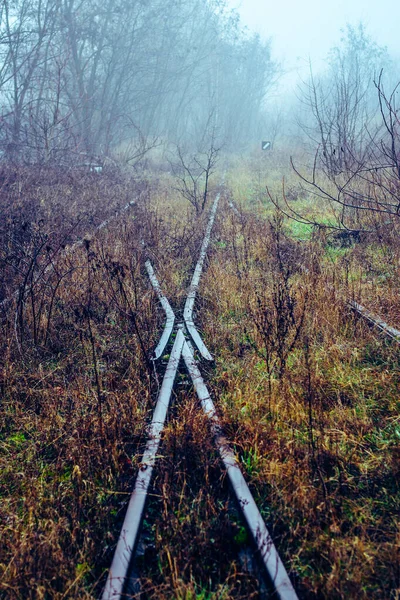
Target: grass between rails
(195,540)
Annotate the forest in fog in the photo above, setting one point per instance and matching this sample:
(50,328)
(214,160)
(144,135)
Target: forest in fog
(87,76)
(97,78)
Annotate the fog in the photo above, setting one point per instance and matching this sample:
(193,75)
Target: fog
(113,79)
(301,32)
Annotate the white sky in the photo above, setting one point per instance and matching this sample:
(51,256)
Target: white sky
(303,29)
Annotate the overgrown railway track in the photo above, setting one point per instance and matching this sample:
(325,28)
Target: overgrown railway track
(187,348)
(186,333)
(374,321)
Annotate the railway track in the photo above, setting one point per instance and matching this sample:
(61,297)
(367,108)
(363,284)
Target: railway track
(187,346)
(186,333)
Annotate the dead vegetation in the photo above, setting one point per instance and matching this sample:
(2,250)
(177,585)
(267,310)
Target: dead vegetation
(311,396)
(307,393)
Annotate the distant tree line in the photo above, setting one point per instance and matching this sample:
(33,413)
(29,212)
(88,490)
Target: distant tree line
(87,76)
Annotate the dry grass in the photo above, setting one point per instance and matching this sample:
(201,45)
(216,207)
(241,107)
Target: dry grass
(316,428)
(75,395)
(320,442)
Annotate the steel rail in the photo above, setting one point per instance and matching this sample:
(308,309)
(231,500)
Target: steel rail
(118,574)
(233,207)
(169,325)
(69,249)
(255,523)
(374,320)
(189,304)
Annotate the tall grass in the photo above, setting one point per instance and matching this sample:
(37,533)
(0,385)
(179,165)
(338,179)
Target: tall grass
(308,394)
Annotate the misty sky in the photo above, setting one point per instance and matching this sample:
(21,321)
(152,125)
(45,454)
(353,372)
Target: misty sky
(309,28)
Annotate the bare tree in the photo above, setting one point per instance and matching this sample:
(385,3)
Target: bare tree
(355,131)
(342,101)
(193,170)
(29,28)
(86,76)
(367,192)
